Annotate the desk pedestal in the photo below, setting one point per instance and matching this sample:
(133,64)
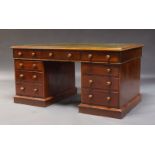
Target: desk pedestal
(44,84)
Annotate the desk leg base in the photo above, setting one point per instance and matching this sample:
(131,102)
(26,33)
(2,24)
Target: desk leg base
(110,112)
(44,102)
(33,101)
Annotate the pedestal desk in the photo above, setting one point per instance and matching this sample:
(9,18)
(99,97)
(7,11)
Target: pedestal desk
(110,76)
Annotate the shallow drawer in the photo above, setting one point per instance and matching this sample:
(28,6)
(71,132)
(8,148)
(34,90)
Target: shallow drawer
(67,55)
(100,82)
(31,54)
(31,90)
(98,97)
(26,76)
(100,57)
(29,65)
(60,55)
(99,69)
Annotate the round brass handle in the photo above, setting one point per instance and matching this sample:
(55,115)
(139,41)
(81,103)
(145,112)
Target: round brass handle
(22,88)
(34,76)
(69,55)
(108,70)
(108,56)
(21,75)
(90,96)
(21,64)
(90,81)
(50,54)
(34,65)
(108,98)
(108,83)
(20,53)
(90,56)
(35,89)
(33,54)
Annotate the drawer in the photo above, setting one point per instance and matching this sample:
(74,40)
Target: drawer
(66,55)
(100,82)
(25,76)
(31,54)
(100,57)
(99,69)
(30,90)
(60,55)
(29,65)
(98,97)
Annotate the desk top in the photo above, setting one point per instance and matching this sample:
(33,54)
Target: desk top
(85,47)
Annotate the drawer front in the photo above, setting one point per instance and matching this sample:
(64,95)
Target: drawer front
(29,65)
(30,90)
(60,55)
(99,69)
(100,82)
(25,76)
(98,97)
(31,54)
(100,57)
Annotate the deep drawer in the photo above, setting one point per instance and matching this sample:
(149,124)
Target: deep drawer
(27,76)
(99,69)
(100,82)
(100,97)
(30,90)
(29,65)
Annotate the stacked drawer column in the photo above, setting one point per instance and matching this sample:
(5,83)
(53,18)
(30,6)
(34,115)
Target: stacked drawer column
(30,82)
(100,85)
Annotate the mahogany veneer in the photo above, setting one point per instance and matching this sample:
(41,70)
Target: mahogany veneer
(110,76)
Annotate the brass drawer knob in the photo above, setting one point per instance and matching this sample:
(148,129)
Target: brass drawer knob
(34,76)
(34,65)
(35,90)
(108,98)
(22,88)
(108,83)
(108,70)
(20,53)
(90,56)
(50,54)
(90,96)
(33,54)
(21,65)
(21,75)
(108,56)
(90,81)
(69,55)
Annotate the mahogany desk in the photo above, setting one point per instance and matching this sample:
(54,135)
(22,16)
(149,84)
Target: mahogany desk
(110,76)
